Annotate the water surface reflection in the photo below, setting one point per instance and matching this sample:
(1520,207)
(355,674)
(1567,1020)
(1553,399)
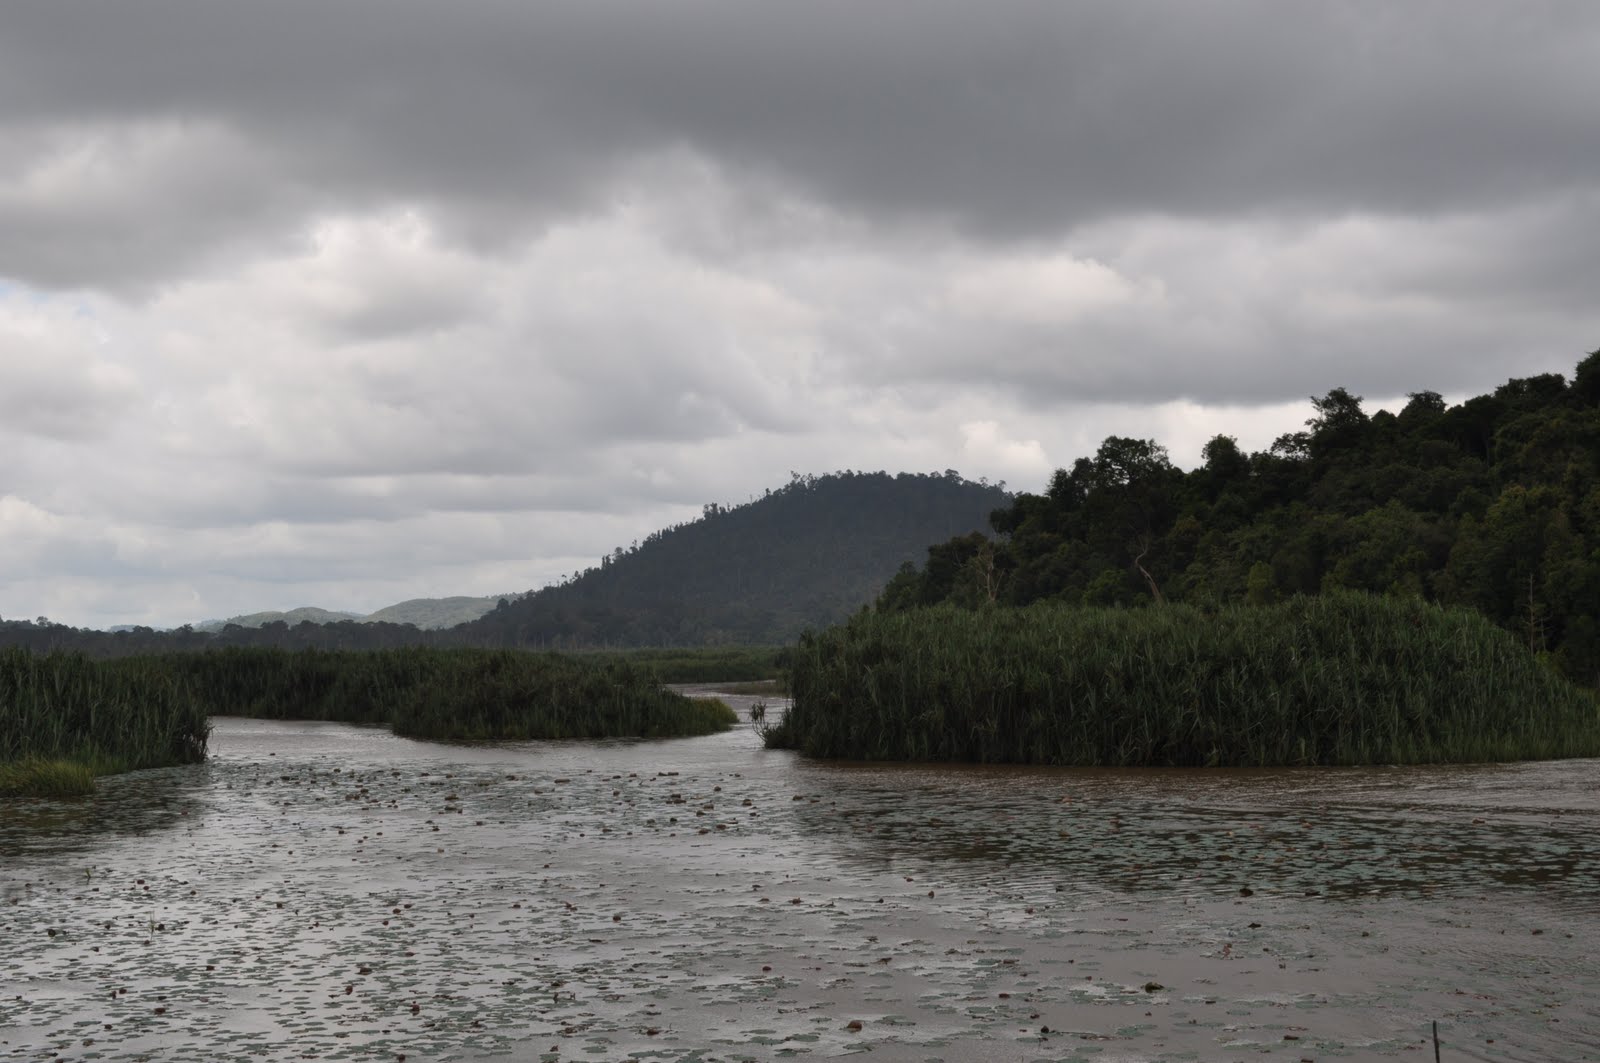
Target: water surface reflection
(318,889)
(1336,832)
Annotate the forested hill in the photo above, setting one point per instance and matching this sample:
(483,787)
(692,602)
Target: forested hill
(1493,504)
(805,555)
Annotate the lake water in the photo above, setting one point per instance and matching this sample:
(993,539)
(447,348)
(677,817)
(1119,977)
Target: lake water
(320,891)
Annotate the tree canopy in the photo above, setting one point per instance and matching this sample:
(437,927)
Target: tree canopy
(806,555)
(1493,503)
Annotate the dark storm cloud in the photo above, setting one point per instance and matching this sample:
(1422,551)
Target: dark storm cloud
(1005,119)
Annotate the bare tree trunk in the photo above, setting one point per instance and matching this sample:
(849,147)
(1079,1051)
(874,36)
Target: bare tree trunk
(991,579)
(1155,591)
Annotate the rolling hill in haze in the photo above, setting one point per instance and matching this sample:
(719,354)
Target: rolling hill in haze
(429,614)
(434,613)
(271,616)
(805,555)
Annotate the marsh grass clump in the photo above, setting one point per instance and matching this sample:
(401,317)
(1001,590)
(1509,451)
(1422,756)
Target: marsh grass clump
(713,714)
(1336,679)
(65,719)
(46,778)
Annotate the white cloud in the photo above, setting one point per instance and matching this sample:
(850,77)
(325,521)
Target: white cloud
(985,446)
(1045,290)
(58,375)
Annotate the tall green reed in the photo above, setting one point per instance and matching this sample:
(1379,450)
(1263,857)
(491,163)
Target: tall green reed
(138,712)
(449,693)
(1335,679)
(108,714)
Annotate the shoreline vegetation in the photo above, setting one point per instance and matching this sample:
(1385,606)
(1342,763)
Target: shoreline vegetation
(457,694)
(1337,679)
(722,666)
(1492,505)
(65,719)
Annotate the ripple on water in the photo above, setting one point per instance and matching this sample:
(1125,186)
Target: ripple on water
(332,889)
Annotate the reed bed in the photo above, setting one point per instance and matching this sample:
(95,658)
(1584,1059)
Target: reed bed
(521,696)
(62,715)
(65,719)
(706,664)
(1335,679)
(450,694)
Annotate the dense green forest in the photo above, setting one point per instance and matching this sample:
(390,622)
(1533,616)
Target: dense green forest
(1492,504)
(760,573)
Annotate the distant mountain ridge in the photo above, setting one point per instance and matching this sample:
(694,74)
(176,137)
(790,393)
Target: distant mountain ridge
(806,555)
(432,614)
(427,614)
(288,616)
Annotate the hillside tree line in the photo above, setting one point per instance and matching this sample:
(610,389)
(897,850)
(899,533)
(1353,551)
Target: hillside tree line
(1493,504)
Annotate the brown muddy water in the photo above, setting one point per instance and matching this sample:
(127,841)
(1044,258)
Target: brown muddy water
(321,891)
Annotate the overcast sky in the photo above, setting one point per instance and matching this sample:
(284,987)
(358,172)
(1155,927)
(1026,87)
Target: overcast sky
(310,302)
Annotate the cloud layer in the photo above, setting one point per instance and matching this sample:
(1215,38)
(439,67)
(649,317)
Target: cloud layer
(348,303)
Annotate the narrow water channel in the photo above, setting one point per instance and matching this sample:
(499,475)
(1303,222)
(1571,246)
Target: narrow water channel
(320,891)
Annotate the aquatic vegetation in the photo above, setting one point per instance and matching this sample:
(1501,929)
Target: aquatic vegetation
(100,716)
(141,712)
(717,710)
(706,664)
(505,694)
(46,778)
(1337,679)
(450,694)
